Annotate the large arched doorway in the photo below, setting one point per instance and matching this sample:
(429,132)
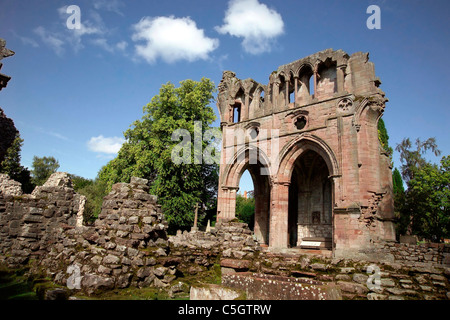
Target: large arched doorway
(310,202)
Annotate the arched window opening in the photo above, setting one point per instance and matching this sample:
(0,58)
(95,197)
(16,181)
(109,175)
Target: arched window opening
(311,85)
(327,78)
(306,77)
(237,112)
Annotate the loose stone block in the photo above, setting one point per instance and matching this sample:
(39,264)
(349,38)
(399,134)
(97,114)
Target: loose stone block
(111,259)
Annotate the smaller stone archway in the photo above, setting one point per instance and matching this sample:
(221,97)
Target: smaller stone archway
(256,162)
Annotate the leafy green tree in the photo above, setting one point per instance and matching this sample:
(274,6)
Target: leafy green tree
(424,207)
(147,152)
(12,167)
(43,168)
(384,138)
(429,197)
(94,191)
(413,160)
(79,182)
(397,182)
(245,209)
(399,202)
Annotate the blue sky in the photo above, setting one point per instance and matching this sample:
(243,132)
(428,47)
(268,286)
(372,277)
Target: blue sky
(74,92)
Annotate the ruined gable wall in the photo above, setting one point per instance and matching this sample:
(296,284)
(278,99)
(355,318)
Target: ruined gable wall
(341,106)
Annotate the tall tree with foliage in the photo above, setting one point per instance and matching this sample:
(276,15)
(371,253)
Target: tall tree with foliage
(43,168)
(424,209)
(12,167)
(399,202)
(383,137)
(94,191)
(245,209)
(397,182)
(429,197)
(147,152)
(79,182)
(414,160)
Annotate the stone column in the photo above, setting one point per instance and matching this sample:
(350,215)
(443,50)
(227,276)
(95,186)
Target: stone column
(245,106)
(287,92)
(279,215)
(295,88)
(220,191)
(340,76)
(315,83)
(275,92)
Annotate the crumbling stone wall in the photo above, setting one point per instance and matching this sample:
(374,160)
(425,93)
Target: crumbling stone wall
(9,187)
(416,255)
(397,271)
(127,246)
(230,244)
(358,279)
(30,224)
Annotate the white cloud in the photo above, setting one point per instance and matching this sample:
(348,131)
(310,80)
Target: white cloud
(255,22)
(58,135)
(171,39)
(92,25)
(52,40)
(109,5)
(86,26)
(29,41)
(105,145)
(47,132)
(26,40)
(92,31)
(103,43)
(118,47)
(122,45)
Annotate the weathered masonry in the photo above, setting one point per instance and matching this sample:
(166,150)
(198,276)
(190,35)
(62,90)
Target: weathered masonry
(309,139)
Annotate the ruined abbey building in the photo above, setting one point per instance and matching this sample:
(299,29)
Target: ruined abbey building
(320,175)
